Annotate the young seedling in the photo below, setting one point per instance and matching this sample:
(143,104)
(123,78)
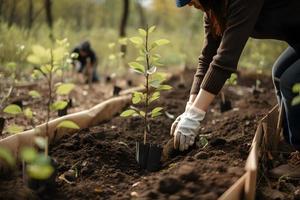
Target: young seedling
(225,104)
(2,102)
(296,90)
(116,60)
(15,110)
(257,89)
(9,83)
(36,165)
(50,63)
(146,65)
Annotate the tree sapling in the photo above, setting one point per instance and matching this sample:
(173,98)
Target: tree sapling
(146,65)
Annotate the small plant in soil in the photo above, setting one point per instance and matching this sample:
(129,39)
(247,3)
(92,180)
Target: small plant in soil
(37,167)
(49,64)
(7,87)
(225,104)
(257,87)
(115,58)
(148,155)
(296,90)
(16,110)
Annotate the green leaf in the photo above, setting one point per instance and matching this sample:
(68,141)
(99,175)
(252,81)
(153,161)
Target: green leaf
(41,142)
(296,88)
(137,67)
(232,80)
(157,109)
(164,87)
(151,29)
(159,42)
(154,97)
(140,59)
(12,109)
(137,97)
(14,129)
(68,124)
(46,69)
(142,113)
(153,115)
(136,40)
(28,113)
(128,113)
(159,76)
(202,142)
(7,156)
(34,94)
(40,172)
(296,101)
(156,112)
(29,154)
(155,83)
(59,105)
(142,32)
(65,89)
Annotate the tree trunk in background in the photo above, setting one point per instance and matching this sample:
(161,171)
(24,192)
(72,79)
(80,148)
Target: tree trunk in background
(123,24)
(143,19)
(12,14)
(49,17)
(30,14)
(1,11)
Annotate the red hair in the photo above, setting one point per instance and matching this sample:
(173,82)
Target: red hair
(216,10)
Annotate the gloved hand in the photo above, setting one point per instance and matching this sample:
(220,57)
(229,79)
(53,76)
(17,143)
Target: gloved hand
(174,125)
(188,128)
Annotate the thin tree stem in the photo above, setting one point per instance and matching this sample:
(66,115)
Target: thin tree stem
(49,101)
(147,88)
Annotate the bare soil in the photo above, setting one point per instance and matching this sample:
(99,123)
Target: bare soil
(103,157)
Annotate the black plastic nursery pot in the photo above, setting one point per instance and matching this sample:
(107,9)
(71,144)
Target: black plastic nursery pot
(62,112)
(2,124)
(41,186)
(107,79)
(148,156)
(142,151)
(116,90)
(154,158)
(225,106)
(18,102)
(129,83)
(70,103)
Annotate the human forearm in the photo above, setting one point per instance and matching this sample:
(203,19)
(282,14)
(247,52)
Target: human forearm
(202,100)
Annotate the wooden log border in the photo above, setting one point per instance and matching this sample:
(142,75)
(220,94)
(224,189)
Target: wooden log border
(267,129)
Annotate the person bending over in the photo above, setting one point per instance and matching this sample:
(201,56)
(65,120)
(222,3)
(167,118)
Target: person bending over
(86,62)
(228,24)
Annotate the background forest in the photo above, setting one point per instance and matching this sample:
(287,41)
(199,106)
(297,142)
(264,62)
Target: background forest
(24,23)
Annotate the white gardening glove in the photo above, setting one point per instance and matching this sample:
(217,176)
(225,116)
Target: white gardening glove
(174,125)
(188,128)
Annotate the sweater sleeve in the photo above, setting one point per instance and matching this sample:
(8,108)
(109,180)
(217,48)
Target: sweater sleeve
(210,46)
(241,19)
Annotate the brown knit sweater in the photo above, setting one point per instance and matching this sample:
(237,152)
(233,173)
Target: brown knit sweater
(262,19)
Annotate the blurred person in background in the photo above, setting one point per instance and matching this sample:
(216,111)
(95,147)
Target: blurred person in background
(228,24)
(85,62)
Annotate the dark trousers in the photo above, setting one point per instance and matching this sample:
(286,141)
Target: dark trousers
(286,73)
